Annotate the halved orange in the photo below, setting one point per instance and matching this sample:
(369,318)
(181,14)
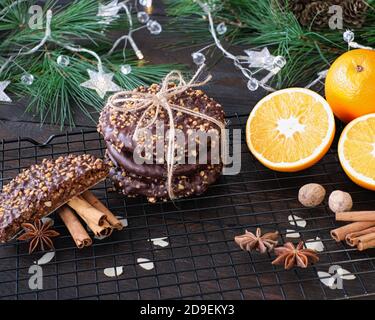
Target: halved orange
(357,151)
(291,129)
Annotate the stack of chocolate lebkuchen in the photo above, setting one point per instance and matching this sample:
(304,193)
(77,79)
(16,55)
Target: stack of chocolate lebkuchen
(149,179)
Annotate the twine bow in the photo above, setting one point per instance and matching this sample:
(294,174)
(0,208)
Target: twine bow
(147,101)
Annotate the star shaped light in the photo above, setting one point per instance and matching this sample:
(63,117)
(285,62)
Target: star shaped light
(109,11)
(260,59)
(3,96)
(101,82)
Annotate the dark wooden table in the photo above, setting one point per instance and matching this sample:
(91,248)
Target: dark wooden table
(227,87)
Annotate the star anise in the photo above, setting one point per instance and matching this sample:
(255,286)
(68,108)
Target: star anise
(290,256)
(39,234)
(262,243)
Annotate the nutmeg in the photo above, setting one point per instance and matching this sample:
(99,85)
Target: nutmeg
(340,201)
(311,195)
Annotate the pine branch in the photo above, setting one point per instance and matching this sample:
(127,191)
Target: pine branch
(76,21)
(267,23)
(56,89)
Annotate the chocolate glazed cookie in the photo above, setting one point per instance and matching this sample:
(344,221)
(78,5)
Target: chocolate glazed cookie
(118,127)
(183,186)
(158,171)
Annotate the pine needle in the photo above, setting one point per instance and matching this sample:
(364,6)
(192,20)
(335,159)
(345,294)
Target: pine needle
(56,91)
(260,23)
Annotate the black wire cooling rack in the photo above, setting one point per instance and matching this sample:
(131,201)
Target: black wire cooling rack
(201,260)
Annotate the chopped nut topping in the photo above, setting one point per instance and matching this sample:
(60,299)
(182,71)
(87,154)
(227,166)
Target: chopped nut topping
(48,204)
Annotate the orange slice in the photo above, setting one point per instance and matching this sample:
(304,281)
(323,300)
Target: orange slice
(291,129)
(357,151)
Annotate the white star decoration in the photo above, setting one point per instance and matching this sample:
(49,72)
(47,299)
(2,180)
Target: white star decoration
(109,11)
(260,59)
(101,82)
(3,96)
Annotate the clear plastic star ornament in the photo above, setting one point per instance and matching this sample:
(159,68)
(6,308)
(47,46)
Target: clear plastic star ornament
(261,59)
(101,82)
(3,96)
(109,11)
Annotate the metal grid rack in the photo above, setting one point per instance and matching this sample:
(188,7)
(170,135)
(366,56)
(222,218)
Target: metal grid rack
(201,261)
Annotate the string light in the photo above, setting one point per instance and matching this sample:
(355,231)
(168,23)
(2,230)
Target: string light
(258,60)
(320,77)
(27,79)
(99,80)
(109,12)
(152,25)
(63,61)
(145,3)
(348,36)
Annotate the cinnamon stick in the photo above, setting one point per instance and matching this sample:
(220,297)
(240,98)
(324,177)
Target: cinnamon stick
(339,234)
(366,241)
(88,213)
(77,231)
(356,216)
(105,230)
(95,219)
(96,203)
(352,239)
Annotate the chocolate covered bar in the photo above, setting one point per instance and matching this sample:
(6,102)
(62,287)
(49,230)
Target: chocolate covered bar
(42,188)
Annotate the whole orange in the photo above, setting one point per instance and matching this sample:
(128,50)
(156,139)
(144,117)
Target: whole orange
(350,84)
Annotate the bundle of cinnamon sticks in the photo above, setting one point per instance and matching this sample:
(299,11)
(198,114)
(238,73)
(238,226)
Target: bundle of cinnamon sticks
(360,232)
(94,213)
